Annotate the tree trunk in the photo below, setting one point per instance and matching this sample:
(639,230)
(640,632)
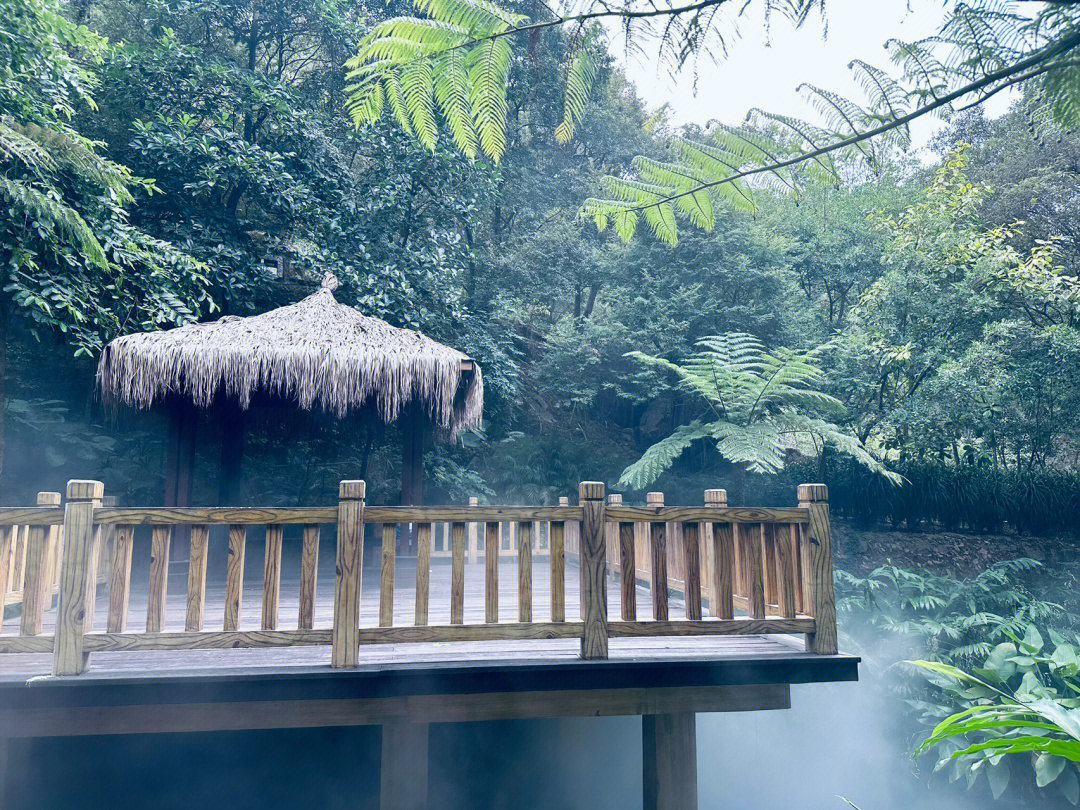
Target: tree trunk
(233,423)
(415,427)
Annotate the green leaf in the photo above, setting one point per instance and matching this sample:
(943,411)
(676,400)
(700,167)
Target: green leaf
(1048,768)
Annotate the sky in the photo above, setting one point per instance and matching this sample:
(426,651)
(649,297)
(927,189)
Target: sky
(763,69)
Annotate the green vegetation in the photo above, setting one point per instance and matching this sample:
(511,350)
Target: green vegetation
(994,687)
(457,165)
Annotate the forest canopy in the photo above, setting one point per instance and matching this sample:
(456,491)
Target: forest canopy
(167,162)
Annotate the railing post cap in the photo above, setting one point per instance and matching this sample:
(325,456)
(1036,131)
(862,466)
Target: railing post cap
(352,490)
(716,496)
(474,501)
(564,500)
(80,490)
(614,499)
(591,491)
(654,498)
(48,499)
(110,500)
(812,493)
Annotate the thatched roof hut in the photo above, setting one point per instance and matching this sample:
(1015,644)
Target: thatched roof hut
(315,352)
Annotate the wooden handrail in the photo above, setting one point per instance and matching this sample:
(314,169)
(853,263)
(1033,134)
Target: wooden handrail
(773,564)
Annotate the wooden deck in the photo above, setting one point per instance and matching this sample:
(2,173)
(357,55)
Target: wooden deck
(200,640)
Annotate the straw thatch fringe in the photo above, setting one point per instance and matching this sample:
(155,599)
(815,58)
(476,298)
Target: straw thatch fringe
(316,351)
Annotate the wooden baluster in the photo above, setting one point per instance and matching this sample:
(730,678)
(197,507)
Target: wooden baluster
(819,583)
(271,578)
(160,539)
(76,577)
(692,556)
(594,639)
(309,574)
(234,575)
(611,537)
(348,574)
(7,556)
(36,585)
(120,579)
(785,577)
(199,539)
(524,539)
(768,543)
(658,556)
(628,566)
(573,530)
(491,572)
(474,535)
(54,554)
(750,537)
(723,544)
(797,566)
(18,577)
(457,573)
(642,554)
(423,571)
(108,542)
(557,552)
(386,581)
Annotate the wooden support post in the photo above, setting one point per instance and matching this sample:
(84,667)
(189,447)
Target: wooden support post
(594,639)
(5,766)
(669,766)
(819,567)
(77,576)
(404,773)
(722,542)
(345,636)
(37,584)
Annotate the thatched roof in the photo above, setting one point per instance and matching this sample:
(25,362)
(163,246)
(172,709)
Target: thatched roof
(317,351)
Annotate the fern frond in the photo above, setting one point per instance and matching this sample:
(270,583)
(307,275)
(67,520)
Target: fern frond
(488,68)
(662,455)
(579,77)
(66,221)
(452,95)
(418,93)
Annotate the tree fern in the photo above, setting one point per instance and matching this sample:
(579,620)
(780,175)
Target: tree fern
(756,406)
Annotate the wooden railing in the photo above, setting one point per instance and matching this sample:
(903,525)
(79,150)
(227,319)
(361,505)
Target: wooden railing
(774,566)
